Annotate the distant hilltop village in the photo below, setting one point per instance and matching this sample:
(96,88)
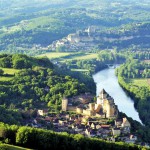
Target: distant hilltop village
(86,39)
(104,107)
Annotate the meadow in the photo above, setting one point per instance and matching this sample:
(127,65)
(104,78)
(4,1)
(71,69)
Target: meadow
(69,56)
(139,82)
(12,147)
(8,74)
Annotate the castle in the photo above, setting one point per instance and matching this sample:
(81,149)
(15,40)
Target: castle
(104,107)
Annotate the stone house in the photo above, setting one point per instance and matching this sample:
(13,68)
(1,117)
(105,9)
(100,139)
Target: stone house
(90,133)
(125,123)
(131,139)
(42,112)
(126,126)
(62,122)
(116,131)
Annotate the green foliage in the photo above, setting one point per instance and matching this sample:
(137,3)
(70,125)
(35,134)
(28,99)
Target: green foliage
(61,49)
(31,25)
(20,61)
(46,139)
(5,61)
(135,69)
(39,82)
(107,56)
(1,72)
(42,139)
(3,147)
(141,94)
(10,116)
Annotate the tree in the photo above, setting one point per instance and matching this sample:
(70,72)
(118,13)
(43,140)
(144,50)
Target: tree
(61,49)
(1,72)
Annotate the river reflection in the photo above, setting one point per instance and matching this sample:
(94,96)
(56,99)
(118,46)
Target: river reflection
(106,79)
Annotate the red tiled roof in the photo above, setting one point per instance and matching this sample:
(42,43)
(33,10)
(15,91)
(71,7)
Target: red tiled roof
(105,126)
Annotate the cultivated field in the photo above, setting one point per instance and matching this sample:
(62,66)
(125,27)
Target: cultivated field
(70,56)
(54,55)
(139,82)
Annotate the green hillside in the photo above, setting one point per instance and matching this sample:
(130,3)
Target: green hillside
(24,84)
(46,139)
(29,27)
(11,147)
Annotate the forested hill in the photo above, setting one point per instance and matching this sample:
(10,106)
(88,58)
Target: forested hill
(30,26)
(131,36)
(28,83)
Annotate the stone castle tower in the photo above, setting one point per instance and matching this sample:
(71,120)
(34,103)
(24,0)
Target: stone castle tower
(104,107)
(64,104)
(107,104)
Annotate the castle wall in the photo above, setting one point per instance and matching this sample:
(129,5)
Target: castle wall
(105,106)
(71,108)
(87,112)
(110,108)
(99,101)
(97,108)
(108,111)
(79,110)
(73,38)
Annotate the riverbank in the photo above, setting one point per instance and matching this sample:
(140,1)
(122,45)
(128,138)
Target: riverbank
(106,79)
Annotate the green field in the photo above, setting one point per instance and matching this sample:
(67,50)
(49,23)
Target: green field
(54,55)
(10,71)
(70,56)
(139,82)
(8,74)
(84,56)
(12,147)
(5,78)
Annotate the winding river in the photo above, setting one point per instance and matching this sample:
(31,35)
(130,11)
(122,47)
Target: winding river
(106,79)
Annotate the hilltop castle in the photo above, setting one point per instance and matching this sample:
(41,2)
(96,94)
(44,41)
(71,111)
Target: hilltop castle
(104,107)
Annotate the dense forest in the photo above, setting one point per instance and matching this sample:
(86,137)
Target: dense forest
(134,77)
(37,81)
(29,27)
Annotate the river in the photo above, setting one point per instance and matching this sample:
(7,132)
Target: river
(106,79)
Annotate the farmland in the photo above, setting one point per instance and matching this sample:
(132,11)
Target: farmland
(139,82)
(70,56)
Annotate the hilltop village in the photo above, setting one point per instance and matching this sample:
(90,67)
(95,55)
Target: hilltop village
(87,39)
(91,119)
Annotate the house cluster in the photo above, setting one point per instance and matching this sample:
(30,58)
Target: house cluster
(116,130)
(80,40)
(98,119)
